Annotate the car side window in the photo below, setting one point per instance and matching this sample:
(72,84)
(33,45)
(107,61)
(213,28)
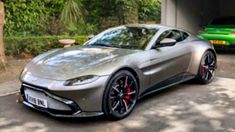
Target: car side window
(172,34)
(184,35)
(176,35)
(163,36)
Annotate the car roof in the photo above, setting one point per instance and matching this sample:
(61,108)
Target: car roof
(145,25)
(157,26)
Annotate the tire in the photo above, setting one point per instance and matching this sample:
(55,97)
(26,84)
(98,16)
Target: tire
(206,72)
(120,95)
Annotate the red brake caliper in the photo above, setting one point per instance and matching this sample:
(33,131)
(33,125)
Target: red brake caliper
(128,97)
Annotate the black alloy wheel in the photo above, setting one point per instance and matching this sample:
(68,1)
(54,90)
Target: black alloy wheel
(207,68)
(120,95)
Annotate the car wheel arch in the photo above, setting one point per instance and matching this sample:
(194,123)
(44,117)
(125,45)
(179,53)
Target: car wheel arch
(131,70)
(214,53)
(211,50)
(197,60)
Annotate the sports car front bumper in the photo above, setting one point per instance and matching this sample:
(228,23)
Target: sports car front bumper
(77,101)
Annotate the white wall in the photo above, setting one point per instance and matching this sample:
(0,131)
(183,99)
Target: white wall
(168,16)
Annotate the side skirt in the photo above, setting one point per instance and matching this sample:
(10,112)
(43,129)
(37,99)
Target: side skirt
(167,83)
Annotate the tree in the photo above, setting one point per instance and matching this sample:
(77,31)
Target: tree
(72,17)
(72,13)
(149,10)
(127,11)
(2,16)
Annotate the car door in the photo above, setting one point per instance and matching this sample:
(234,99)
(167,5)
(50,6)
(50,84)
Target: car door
(169,62)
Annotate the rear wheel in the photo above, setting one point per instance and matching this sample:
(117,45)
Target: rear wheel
(120,96)
(206,72)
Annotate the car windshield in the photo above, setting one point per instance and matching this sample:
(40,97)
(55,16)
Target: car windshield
(125,37)
(224,21)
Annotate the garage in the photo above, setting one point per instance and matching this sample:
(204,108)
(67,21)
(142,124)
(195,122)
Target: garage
(192,15)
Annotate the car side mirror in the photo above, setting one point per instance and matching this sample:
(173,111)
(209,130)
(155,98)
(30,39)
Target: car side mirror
(165,43)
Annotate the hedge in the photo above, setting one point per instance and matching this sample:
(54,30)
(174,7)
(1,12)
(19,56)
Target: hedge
(36,45)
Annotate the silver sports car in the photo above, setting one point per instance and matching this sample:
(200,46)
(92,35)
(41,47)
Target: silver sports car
(110,72)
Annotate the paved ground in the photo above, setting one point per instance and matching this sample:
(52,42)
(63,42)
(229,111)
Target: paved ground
(226,65)
(9,87)
(185,107)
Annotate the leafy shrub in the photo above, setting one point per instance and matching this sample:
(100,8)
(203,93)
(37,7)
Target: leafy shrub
(127,11)
(81,28)
(45,17)
(23,16)
(52,26)
(149,10)
(51,17)
(36,45)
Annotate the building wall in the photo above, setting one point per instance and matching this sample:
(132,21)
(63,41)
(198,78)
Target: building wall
(168,10)
(227,7)
(210,10)
(188,14)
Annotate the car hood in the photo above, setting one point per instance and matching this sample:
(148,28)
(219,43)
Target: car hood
(68,63)
(220,29)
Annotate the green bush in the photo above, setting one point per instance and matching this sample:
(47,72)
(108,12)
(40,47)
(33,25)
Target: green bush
(150,10)
(36,45)
(43,17)
(23,16)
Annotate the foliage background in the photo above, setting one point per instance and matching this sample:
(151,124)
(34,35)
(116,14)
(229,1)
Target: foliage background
(48,17)
(35,26)
(35,45)
(30,17)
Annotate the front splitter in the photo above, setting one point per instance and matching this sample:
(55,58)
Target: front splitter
(76,114)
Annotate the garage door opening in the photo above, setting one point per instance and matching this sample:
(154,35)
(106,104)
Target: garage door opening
(192,15)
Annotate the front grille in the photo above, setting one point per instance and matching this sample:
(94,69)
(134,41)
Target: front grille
(56,105)
(226,47)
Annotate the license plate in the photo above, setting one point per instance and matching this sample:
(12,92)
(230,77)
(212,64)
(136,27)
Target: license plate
(36,101)
(218,42)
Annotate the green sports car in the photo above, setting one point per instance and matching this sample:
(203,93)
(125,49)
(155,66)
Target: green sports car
(220,32)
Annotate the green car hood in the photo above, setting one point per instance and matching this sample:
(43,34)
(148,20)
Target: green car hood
(220,29)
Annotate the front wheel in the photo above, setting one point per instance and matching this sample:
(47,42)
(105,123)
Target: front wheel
(120,96)
(206,72)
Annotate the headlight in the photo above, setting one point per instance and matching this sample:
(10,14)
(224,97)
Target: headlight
(81,80)
(24,71)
